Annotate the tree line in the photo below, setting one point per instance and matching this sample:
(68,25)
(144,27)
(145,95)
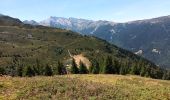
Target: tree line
(122,68)
(110,66)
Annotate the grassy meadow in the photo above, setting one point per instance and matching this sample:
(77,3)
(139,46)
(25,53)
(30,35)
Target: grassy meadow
(83,87)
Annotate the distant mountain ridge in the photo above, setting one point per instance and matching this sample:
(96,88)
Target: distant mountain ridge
(74,24)
(35,48)
(6,20)
(149,38)
(31,22)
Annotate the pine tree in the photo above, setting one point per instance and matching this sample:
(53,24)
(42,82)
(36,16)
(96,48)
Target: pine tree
(133,69)
(83,69)
(19,70)
(2,70)
(38,68)
(164,77)
(168,75)
(55,69)
(143,71)
(48,71)
(122,70)
(35,70)
(95,68)
(28,71)
(117,66)
(147,72)
(60,69)
(139,68)
(74,69)
(17,67)
(109,67)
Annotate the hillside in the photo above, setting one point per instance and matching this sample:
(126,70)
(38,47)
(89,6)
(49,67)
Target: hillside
(84,87)
(35,47)
(150,36)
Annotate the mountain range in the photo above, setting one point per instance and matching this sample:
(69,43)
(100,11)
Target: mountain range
(149,38)
(23,45)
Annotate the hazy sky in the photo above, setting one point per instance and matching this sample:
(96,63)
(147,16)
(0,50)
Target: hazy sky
(113,10)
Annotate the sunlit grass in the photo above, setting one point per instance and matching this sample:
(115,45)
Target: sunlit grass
(93,87)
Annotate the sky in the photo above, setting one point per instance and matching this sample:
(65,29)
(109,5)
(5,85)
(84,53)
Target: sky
(111,10)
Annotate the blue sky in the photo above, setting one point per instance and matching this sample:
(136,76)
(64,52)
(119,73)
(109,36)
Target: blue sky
(113,10)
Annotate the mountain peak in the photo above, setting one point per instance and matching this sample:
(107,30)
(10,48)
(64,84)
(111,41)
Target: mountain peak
(9,21)
(31,22)
(74,24)
(18,34)
(152,20)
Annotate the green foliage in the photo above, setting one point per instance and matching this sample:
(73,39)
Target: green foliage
(48,71)
(83,69)
(122,70)
(60,70)
(74,68)
(167,75)
(147,73)
(28,71)
(117,66)
(133,70)
(95,68)
(2,70)
(143,71)
(109,68)
(19,70)
(46,46)
(38,67)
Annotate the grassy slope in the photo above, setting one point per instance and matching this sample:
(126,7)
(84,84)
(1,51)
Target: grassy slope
(23,45)
(50,45)
(93,87)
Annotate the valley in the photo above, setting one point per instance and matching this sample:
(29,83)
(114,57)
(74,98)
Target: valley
(28,50)
(84,50)
(150,36)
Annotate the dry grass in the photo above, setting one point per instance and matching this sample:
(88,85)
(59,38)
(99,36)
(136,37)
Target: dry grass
(84,87)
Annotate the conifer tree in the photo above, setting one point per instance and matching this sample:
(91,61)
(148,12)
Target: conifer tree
(117,66)
(19,70)
(35,70)
(60,69)
(122,71)
(133,69)
(28,71)
(2,70)
(74,69)
(168,75)
(48,71)
(83,68)
(109,67)
(38,67)
(147,72)
(164,77)
(124,68)
(95,68)
(143,71)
